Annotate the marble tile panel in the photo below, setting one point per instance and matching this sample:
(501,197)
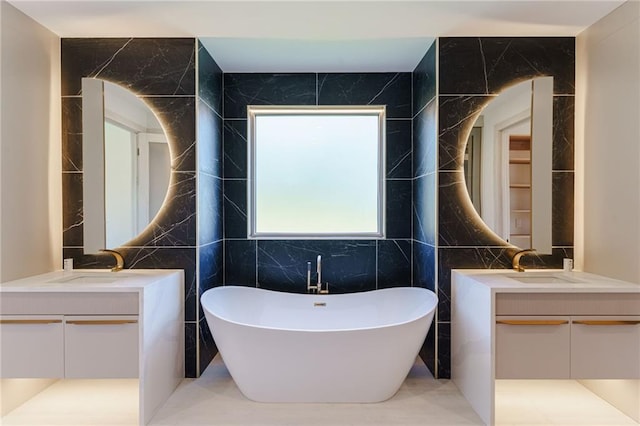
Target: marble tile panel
(242,89)
(191,349)
(175,224)
(424,266)
(428,350)
(551,260)
(444,300)
(168,258)
(486,65)
(71,134)
(563,132)
(444,350)
(82,260)
(240,262)
(72,212)
(347,265)
(235,149)
(209,209)
(209,80)
(458,222)
(456,117)
(471,258)
(425,140)
(390,89)
(209,144)
(146,66)
(207,348)
(399,147)
(398,209)
(211,261)
(424,209)
(562,208)
(394,263)
(235,208)
(425,79)
(178,118)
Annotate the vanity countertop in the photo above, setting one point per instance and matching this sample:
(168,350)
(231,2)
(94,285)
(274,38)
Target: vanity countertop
(506,281)
(89,280)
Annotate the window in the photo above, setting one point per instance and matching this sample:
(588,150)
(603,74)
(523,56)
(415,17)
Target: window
(316,172)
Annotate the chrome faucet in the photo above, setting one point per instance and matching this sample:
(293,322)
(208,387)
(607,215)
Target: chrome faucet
(515,262)
(317,288)
(319,273)
(119,260)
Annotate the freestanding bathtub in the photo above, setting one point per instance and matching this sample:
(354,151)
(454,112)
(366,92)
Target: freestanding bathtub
(285,347)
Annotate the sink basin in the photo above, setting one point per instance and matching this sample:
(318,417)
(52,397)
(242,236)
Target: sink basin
(543,278)
(92,277)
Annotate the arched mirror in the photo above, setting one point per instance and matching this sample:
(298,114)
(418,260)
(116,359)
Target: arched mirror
(126,163)
(507,164)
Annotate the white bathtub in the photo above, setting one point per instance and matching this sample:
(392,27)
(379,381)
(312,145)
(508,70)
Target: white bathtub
(285,347)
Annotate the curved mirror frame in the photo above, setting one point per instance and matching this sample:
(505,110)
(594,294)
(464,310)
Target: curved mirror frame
(507,164)
(126,165)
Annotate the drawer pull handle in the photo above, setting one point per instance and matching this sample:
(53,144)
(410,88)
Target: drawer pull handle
(607,322)
(30,321)
(102,322)
(532,322)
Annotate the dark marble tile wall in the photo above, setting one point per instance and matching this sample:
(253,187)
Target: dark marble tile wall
(470,68)
(209,181)
(162,72)
(349,265)
(424,187)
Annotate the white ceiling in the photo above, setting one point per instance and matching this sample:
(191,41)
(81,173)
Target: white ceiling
(321,35)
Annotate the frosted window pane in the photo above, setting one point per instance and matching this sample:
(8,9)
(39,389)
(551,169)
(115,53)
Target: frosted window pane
(317,174)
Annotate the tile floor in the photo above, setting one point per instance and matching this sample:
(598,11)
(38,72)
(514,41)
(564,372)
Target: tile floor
(214,400)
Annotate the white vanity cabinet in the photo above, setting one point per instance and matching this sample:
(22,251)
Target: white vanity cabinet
(569,336)
(582,347)
(578,326)
(32,346)
(96,325)
(101,347)
(533,347)
(605,347)
(89,335)
(72,347)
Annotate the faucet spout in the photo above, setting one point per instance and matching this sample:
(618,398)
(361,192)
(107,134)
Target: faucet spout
(515,262)
(319,270)
(317,287)
(119,260)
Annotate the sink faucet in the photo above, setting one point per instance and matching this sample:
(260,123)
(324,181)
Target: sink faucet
(515,262)
(318,286)
(119,260)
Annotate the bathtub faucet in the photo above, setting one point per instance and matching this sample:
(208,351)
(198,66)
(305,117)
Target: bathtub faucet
(317,288)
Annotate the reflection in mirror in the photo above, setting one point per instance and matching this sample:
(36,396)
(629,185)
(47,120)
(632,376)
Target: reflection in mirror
(507,164)
(126,165)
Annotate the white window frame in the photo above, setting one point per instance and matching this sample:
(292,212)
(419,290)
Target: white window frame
(254,111)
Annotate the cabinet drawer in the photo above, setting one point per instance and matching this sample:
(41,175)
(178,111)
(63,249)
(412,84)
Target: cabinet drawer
(76,303)
(101,347)
(32,346)
(605,347)
(532,347)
